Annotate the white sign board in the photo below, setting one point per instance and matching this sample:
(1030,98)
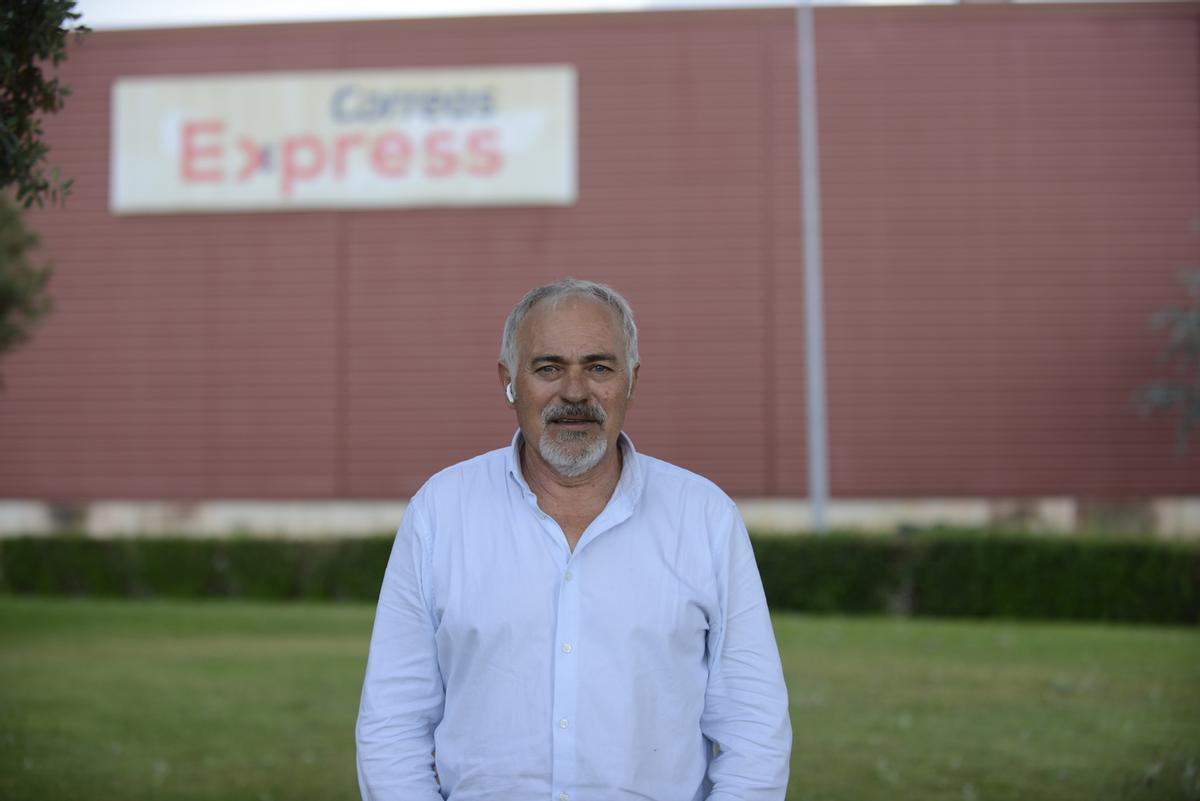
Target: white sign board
(355,139)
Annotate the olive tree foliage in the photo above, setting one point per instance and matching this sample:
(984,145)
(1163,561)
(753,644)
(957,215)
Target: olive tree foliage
(33,39)
(33,36)
(23,296)
(1180,391)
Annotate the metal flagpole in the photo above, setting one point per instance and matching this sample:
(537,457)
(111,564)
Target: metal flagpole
(814,327)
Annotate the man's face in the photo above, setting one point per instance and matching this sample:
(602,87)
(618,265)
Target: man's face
(572,384)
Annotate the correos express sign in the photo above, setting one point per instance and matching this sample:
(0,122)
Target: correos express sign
(361,139)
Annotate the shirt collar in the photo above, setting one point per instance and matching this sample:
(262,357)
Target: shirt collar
(629,486)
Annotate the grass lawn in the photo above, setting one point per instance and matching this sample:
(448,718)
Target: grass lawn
(221,701)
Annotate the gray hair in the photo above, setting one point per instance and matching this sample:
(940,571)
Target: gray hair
(566,288)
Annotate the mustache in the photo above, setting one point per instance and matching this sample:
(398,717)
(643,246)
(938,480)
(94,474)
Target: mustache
(578,411)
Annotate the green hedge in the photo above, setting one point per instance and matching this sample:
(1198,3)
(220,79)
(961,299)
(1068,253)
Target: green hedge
(349,569)
(985,574)
(1062,578)
(943,574)
(838,573)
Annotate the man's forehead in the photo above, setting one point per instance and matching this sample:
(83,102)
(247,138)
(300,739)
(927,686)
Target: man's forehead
(571,322)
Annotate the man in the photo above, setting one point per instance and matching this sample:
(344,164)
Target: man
(566,619)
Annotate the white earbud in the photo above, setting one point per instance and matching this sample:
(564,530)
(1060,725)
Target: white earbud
(508,393)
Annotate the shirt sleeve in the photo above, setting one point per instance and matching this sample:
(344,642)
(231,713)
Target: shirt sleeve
(745,707)
(402,696)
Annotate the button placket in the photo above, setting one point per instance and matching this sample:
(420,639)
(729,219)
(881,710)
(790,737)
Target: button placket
(566,680)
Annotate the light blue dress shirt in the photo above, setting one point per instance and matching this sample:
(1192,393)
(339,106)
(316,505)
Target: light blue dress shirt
(640,666)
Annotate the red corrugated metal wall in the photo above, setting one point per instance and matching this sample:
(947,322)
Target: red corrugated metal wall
(1009,194)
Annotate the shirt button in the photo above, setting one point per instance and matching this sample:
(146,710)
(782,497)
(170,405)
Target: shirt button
(564,797)
(562,724)
(566,649)
(568,575)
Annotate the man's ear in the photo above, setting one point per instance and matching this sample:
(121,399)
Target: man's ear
(505,380)
(633,382)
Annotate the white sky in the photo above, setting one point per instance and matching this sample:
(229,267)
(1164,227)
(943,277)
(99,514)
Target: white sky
(112,14)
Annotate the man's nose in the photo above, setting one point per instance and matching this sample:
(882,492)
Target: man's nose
(574,387)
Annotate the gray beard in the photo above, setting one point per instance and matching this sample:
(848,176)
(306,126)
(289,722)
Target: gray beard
(568,461)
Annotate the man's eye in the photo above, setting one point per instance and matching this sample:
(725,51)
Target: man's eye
(546,369)
(601,368)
